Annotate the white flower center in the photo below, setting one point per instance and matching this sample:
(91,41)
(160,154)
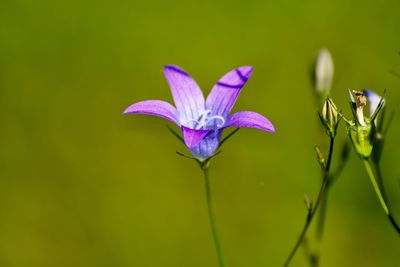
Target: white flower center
(206,122)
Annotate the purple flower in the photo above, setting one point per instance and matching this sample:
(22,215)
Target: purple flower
(202,121)
(373,101)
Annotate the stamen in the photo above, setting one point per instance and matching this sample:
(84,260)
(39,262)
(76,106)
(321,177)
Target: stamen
(196,123)
(204,119)
(361,101)
(216,117)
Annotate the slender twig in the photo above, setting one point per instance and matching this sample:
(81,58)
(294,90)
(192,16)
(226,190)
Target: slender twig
(312,258)
(228,136)
(379,178)
(382,186)
(312,211)
(381,197)
(322,213)
(395,73)
(394,223)
(324,202)
(175,134)
(376,186)
(212,216)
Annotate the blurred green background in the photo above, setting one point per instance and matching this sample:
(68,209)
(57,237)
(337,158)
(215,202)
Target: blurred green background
(83,185)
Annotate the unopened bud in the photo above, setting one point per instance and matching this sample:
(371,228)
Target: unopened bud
(307,202)
(324,70)
(320,157)
(330,117)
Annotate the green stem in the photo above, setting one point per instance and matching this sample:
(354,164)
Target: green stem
(379,178)
(381,194)
(212,216)
(376,186)
(312,257)
(311,212)
(322,214)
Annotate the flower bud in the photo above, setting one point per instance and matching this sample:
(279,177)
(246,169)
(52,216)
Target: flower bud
(308,202)
(330,117)
(324,70)
(320,158)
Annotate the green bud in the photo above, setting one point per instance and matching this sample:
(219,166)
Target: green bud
(330,117)
(308,202)
(320,157)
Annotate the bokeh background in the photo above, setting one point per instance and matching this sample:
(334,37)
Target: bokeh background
(83,185)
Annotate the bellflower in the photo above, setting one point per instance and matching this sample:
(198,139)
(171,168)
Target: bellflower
(202,121)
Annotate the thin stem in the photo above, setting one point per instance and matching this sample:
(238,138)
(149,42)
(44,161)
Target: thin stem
(312,258)
(375,185)
(381,194)
(212,217)
(394,223)
(324,205)
(379,178)
(312,211)
(322,214)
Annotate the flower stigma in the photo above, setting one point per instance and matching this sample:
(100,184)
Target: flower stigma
(361,102)
(206,121)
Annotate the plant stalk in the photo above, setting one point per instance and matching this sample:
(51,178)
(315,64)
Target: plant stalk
(211,216)
(380,193)
(313,210)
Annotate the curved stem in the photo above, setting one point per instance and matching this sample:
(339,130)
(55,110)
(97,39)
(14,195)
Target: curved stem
(380,194)
(394,223)
(212,216)
(376,186)
(379,178)
(312,211)
(324,202)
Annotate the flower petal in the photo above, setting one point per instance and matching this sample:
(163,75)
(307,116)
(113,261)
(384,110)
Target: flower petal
(250,119)
(193,137)
(155,108)
(373,101)
(207,147)
(224,94)
(188,98)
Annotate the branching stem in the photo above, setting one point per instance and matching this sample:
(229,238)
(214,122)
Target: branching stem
(313,210)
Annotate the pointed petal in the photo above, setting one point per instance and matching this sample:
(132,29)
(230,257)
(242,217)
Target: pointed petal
(193,137)
(373,101)
(224,94)
(351,96)
(155,108)
(188,98)
(250,119)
